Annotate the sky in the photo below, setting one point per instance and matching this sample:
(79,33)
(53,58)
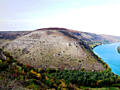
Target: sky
(96,16)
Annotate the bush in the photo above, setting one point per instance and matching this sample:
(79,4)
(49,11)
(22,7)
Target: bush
(33,86)
(7,54)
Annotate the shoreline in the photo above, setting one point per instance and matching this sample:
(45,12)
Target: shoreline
(113,69)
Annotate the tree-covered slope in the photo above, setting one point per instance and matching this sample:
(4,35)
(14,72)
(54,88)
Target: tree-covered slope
(16,76)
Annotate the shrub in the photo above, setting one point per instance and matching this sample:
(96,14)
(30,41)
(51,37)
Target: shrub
(0,61)
(7,54)
(33,86)
(39,75)
(118,49)
(39,69)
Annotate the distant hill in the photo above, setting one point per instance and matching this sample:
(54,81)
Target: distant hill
(7,36)
(11,35)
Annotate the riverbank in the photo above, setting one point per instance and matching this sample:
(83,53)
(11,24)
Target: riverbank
(109,54)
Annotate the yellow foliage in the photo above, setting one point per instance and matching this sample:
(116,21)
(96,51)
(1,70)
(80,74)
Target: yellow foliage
(39,69)
(51,80)
(36,74)
(55,84)
(33,72)
(60,80)
(39,75)
(98,82)
(62,83)
(47,69)
(23,72)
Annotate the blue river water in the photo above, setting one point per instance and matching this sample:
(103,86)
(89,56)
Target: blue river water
(109,54)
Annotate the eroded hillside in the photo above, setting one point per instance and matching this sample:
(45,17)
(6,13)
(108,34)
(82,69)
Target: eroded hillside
(53,49)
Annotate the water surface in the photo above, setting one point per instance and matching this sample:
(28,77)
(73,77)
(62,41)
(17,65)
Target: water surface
(110,55)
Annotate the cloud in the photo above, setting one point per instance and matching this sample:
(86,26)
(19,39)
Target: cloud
(97,19)
(103,19)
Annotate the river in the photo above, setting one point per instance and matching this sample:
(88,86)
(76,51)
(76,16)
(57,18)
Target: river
(109,54)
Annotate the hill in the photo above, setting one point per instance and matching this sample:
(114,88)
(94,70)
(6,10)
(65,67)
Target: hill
(54,49)
(58,48)
(54,58)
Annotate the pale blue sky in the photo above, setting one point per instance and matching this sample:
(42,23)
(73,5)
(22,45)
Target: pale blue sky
(98,16)
(25,9)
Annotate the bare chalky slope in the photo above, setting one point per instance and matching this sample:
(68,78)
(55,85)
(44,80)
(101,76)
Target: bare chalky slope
(53,49)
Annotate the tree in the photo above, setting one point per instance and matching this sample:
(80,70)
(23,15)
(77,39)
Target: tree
(118,49)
